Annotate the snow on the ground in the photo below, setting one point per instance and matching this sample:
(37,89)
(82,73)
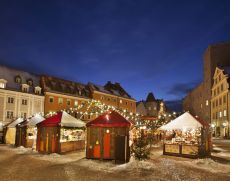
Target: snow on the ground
(207,164)
(23,150)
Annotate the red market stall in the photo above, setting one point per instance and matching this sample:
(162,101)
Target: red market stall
(60,133)
(108,137)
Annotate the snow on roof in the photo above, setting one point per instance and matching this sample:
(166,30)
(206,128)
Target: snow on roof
(14,123)
(69,121)
(183,122)
(9,75)
(35,120)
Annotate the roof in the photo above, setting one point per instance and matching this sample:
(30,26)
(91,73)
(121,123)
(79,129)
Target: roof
(227,70)
(183,122)
(9,74)
(109,120)
(35,120)
(62,119)
(109,88)
(150,97)
(14,123)
(58,85)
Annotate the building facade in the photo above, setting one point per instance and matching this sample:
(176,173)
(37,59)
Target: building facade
(197,102)
(20,95)
(220,102)
(113,95)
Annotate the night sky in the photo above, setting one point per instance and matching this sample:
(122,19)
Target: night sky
(145,45)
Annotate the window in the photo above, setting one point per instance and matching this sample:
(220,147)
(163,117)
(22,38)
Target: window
(10,100)
(51,99)
(108,99)
(222,87)
(126,103)
(60,100)
(68,102)
(23,115)
(216,102)
(201,106)
(9,114)
(149,108)
(206,102)
(213,116)
(220,101)
(24,102)
(102,97)
(220,114)
(30,82)
(2,85)
(224,100)
(215,92)
(25,88)
(213,104)
(120,101)
(218,90)
(18,79)
(75,103)
(225,113)
(37,90)
(89,116)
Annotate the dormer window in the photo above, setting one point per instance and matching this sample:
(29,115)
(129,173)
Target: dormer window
(18,79)
(30,82)
(25,88)
(3,83)
(37,90)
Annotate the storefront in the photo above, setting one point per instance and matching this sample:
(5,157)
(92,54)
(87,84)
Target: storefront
(60,133)
(187,136)
(108,137)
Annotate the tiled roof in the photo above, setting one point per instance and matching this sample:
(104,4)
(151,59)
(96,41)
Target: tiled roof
(57,85)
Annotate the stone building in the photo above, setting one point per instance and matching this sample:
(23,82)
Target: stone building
(20,95)
(220,102)
(198,100)
(151,107)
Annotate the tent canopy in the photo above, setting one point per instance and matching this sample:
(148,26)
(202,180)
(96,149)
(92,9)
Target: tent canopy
(14,123)
(35,120)
(62,119)
(183,122)
(109,119)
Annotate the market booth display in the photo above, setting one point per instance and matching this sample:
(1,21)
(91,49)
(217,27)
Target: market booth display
(10,131)
(108,137)
(187,136)
(26,132)
(60,133)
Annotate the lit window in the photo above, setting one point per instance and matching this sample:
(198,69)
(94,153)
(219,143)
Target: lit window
(37,90)
(120,101)
(25,88)
(201,106)
(220,114)
(60,100)
(206,102)
(225,113)
(75,103)
(2,85)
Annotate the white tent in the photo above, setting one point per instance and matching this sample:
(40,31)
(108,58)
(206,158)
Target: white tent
(183,122)
(70,121)
(35,120)
(11,131)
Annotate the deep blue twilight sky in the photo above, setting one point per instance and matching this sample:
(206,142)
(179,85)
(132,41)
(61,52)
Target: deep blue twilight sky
(146,45)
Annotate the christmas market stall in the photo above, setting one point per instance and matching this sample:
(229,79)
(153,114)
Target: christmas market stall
(108,137)
(26,132)
(60,133)
(10,131)
(187,136)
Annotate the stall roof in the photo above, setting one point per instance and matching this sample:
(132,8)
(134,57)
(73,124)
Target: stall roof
(35,120)
(62,119)
(14,123)
(109,119)
(185,121)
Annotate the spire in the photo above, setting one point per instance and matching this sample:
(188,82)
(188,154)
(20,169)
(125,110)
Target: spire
(150,97)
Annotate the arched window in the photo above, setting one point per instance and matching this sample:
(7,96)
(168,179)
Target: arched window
(18,79)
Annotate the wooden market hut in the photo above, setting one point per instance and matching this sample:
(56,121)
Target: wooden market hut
(26,132)
(60,133)
(108,137)
(10,131)
(193,140)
